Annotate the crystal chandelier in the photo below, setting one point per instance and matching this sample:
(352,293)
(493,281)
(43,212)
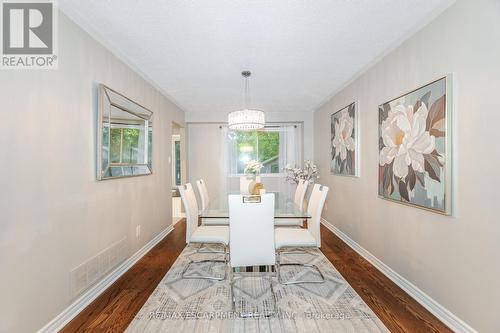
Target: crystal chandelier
(246,119)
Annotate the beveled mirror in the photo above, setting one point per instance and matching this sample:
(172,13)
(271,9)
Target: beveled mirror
(124,138)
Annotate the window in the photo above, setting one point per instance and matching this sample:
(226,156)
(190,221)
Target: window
(262,146)
(274,147)
(125,146)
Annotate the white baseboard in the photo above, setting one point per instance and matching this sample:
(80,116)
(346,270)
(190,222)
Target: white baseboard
(443,314)
(56,324)
(177,219)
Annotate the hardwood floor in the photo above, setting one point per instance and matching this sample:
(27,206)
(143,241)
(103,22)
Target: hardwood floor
(117,306)
(397,310)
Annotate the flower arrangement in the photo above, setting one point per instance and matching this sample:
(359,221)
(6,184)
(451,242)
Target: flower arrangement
(309,172)
(253,167)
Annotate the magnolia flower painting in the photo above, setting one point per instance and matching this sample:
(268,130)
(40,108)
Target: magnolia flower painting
(344,141)
(414,149)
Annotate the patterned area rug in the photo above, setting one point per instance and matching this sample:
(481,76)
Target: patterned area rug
(198,305)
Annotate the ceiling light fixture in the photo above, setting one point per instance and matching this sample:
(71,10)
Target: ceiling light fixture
(246,119)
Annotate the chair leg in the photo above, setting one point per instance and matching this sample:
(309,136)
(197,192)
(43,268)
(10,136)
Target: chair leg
(278,264)
(280,280)
(231,285)
(250,315)
(272,292)
(201,251)
(294,252)
(214,278)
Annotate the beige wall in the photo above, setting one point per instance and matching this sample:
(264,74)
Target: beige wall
(204,155)
(455,260)
(54,214)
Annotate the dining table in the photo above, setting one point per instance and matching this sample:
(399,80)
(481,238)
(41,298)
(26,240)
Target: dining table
(284,207)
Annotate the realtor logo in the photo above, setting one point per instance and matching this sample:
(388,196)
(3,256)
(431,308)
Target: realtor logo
(29,38)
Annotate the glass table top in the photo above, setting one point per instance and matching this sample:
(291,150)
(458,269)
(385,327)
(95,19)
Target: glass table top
(284,207)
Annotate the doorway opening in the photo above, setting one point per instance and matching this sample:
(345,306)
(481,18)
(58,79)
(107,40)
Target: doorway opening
(178,160)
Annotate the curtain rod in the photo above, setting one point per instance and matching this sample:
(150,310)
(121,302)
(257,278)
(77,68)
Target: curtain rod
(274,126)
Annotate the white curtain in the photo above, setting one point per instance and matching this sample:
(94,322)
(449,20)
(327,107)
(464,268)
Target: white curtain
(225,160)
(290,153)
(290,146)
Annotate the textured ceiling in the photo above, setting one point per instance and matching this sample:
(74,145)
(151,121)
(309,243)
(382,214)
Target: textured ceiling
(299,52)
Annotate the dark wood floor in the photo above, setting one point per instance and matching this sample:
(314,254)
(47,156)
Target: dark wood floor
(117,306)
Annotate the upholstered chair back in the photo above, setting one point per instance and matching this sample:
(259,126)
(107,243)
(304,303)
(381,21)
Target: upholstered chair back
(251,231)
(314,208)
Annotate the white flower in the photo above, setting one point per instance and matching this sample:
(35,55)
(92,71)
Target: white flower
(295,174)
(405,139)
(253,166)
(343,140)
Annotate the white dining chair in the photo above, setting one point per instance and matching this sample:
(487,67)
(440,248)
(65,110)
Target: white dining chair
(202,234)
(205,201)
(252,237)
(293,239)
(300,193)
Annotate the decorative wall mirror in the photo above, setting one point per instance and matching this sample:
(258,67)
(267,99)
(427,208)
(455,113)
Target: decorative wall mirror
(124,138)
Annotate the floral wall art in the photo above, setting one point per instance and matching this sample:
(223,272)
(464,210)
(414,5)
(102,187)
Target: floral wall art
(414,148)
(344,141)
